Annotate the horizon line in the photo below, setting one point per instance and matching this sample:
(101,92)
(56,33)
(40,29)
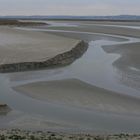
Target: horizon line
(76,15)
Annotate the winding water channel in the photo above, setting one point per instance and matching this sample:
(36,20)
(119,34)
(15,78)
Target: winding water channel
(94,67)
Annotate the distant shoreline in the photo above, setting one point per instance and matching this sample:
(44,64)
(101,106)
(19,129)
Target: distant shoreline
(70,19)
(14,22)
(115,18)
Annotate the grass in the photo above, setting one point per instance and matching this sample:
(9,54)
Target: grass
(10,22)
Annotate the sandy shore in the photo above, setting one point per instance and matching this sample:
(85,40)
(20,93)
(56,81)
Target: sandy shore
(76,93)
(26,50)
(98,27)
(128,63)
(129,54)
(29,46)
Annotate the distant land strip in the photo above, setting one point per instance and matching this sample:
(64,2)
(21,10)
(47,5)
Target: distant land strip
(12,22)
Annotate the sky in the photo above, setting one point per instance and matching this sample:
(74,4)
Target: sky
(70,7)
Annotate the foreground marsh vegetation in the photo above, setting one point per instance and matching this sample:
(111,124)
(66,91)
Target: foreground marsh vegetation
(17,134)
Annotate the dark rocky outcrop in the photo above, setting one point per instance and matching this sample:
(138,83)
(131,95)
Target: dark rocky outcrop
(59,60)
(4,109)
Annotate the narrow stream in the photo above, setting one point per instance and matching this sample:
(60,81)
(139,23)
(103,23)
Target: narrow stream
(94,67)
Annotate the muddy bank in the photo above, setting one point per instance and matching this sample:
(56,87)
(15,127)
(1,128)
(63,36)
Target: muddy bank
(4,109)
(112,30)
(59,60)
(73,92)
(10,22)
(128,63)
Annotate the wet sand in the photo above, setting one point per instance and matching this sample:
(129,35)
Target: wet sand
(67,103)
(18,46)
(128,64)
(76,93)
(104,27)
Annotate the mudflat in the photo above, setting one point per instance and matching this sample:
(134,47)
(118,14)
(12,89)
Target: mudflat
(80,99)
(17,46)
(114,28)
(76,93)
(128,62)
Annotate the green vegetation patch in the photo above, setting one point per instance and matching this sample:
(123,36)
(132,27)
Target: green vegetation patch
(10,22)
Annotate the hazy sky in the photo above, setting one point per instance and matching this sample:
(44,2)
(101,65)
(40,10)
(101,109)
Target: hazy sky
(69,7)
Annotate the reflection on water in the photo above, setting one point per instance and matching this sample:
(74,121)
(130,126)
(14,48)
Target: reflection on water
(122,26)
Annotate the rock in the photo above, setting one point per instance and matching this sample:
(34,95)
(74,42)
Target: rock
(4,109)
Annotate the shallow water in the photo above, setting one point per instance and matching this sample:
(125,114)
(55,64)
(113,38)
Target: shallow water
(122,26)
(94,67)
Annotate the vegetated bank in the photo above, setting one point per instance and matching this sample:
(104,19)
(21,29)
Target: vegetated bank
(59,60)
(12,22)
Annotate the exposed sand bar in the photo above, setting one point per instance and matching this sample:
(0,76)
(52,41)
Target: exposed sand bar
(101,28)
(28,50)
(128,64)
(77,93)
